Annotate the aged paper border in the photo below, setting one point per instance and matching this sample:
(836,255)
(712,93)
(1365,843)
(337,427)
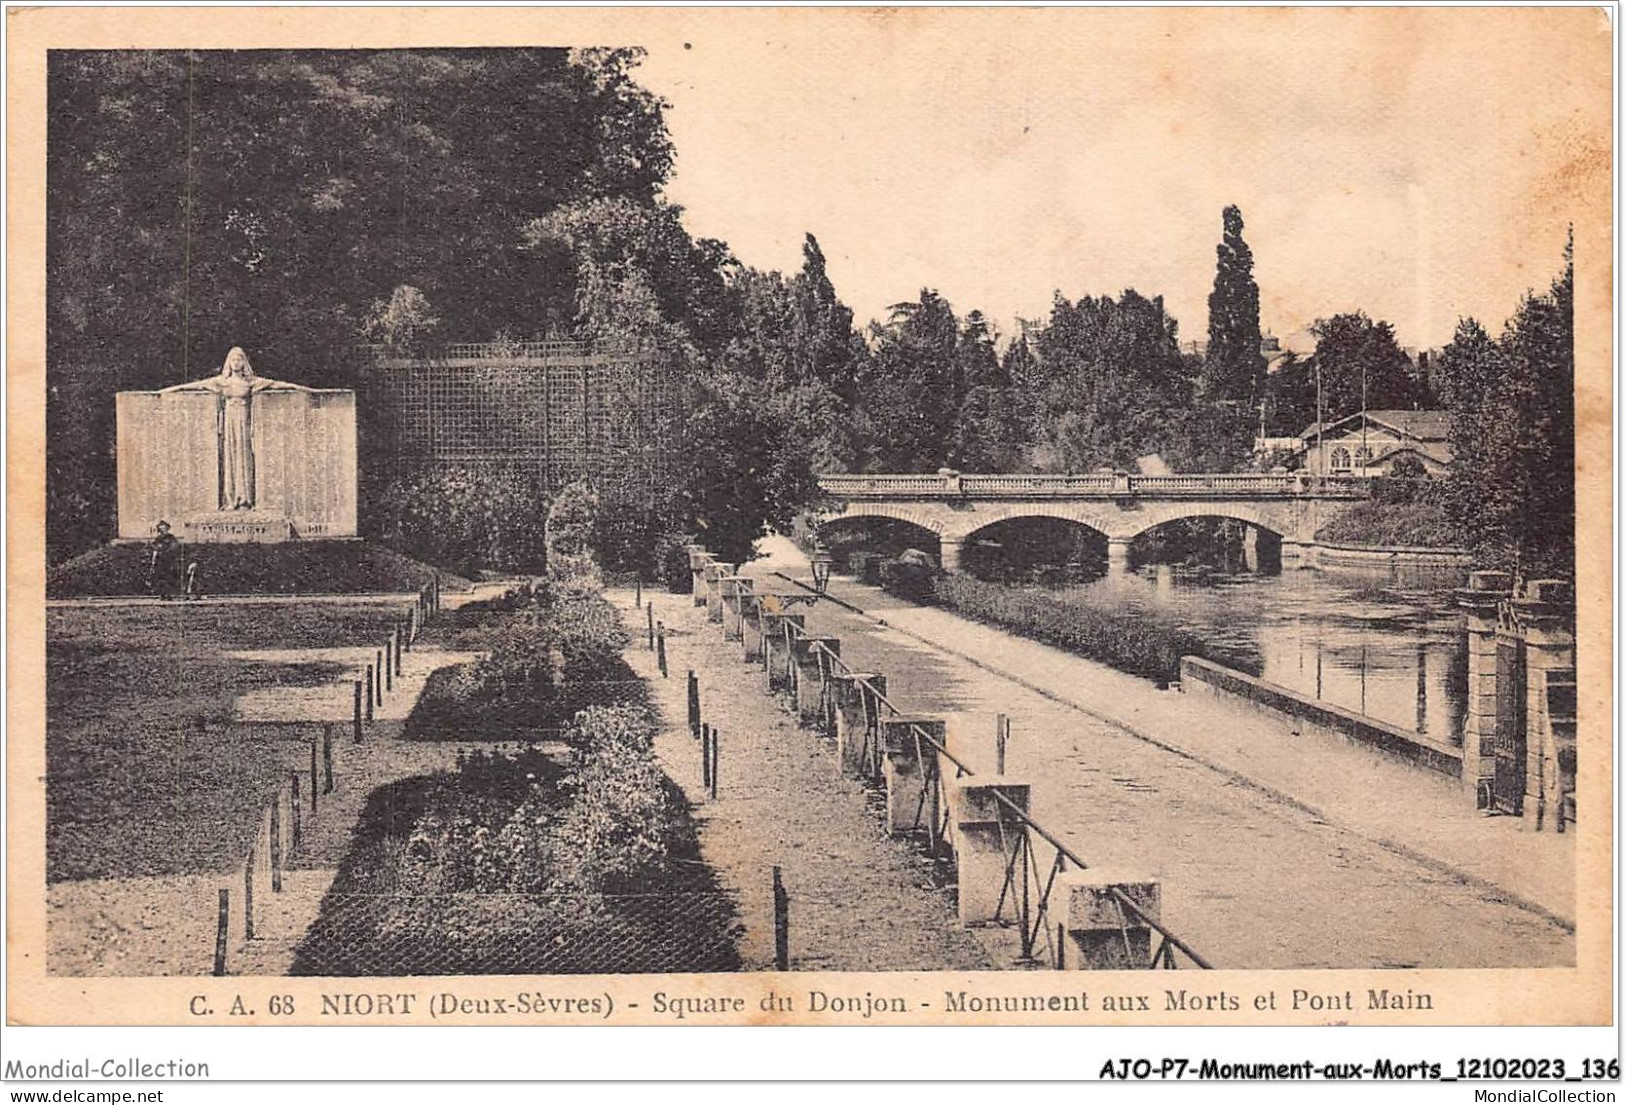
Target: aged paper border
(1580,176)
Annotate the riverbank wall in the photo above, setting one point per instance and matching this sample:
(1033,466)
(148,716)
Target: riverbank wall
(1310,716)
(1408,564)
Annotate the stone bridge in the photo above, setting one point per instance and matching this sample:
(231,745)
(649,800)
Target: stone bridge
(955,506)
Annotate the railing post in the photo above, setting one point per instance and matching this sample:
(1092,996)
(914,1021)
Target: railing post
(989,845)
(909,798)
(807,653)
(750,626)
(730,588)
(1098,933)
(779,663)
(852,714)
(715,572)
(697,560)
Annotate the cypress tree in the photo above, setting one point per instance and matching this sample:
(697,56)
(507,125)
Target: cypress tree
(1234,367)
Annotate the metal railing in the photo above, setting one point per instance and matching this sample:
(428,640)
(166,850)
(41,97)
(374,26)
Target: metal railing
(950,485)
(1028,884)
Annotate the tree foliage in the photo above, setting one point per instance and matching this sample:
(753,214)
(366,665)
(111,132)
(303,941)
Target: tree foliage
(1234,366)
(1113,372)
(281,200)
(1510,492)
(1362,367)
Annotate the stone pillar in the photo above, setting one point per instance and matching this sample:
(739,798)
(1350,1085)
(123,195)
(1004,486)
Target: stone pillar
(697,559)
(1117,556)
(1249,548)
(973,736)
(776,655)
(951,551)
(909,762)
(984,828)
(731,587)
(1546,613)
(1479,600)
(714,573)
(857,720)
(750,625)
(812,670)
(1097,932)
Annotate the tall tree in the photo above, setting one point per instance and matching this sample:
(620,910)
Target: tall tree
(1233,369)
(910,404)
(1360,362)
(1511,487)
(1114,382)
(827,348)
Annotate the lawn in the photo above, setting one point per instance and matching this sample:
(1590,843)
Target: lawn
(147,773)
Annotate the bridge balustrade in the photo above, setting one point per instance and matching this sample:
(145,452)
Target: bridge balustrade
(1091,485)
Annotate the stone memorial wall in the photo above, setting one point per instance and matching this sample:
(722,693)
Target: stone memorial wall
(304,466)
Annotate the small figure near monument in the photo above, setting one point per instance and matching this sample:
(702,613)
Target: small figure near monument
(163,565)
(236,386)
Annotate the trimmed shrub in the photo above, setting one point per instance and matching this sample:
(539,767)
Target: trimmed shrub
(911,576)
(1129,640)
(572,525)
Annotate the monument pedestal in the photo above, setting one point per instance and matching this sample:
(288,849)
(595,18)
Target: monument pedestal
(253,526)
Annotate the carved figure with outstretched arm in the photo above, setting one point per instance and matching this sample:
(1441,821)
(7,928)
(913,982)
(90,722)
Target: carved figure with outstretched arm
(236,386)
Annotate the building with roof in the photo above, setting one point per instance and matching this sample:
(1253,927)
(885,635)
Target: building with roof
(1368,443)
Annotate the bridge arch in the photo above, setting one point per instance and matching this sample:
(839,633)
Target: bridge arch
(890,530)
(1035,541)
(921,515)
(1077,513)
(1160,514)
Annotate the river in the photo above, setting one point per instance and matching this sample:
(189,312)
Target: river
(1394,652)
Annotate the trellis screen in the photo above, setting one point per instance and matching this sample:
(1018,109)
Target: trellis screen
(560,409)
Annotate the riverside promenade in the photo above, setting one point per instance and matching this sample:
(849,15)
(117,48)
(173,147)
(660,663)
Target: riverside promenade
(858,900)
(1271,854)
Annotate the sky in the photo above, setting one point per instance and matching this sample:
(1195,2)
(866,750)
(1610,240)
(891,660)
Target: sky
(1418,164)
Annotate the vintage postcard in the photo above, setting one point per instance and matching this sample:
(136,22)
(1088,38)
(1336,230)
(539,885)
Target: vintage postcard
(1073,516)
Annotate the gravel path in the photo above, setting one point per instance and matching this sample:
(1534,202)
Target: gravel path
(858,900)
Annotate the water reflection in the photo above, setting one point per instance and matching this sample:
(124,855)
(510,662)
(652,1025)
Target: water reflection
(1392,652)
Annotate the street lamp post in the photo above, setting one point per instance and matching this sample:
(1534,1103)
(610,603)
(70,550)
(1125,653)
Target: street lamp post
(822,561)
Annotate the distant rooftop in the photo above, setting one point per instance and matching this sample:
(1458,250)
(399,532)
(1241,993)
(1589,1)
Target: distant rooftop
(1420,425)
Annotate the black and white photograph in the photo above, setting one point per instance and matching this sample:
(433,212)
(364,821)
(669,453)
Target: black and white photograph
(830,494)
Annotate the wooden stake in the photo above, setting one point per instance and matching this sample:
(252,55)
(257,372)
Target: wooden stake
(781,922)
(222,929)
(276,844)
